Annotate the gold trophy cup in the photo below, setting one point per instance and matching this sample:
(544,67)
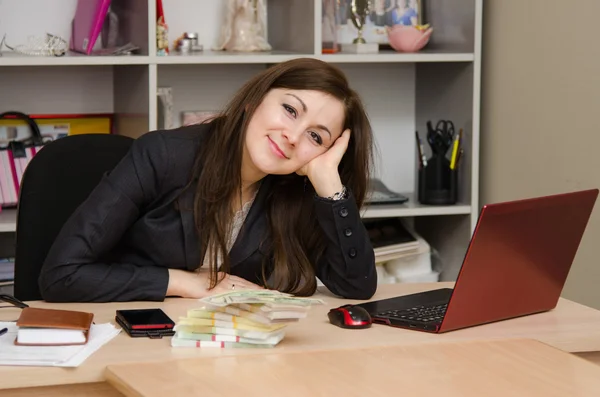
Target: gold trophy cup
(359,9)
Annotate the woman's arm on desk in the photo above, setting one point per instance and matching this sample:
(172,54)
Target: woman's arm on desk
(347,267)
(73,270)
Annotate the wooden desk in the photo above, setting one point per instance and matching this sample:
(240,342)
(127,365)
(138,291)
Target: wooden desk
(570,327)
(465,369)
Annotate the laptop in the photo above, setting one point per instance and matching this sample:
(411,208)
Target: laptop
(516,264)
(380,194)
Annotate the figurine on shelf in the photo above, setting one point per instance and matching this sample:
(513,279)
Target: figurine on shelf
(162,31)
(162,39)
(245,26)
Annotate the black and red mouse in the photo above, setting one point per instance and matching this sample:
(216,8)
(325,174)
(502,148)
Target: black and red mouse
(350,316)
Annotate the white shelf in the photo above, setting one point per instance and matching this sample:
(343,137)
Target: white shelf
(218,57)
(8,220)
(8,217)
(413,208)
(395,57)
(70,59)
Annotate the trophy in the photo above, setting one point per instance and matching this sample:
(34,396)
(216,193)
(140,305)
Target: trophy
(359,10)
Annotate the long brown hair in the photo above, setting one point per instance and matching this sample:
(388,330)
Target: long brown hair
(296,240)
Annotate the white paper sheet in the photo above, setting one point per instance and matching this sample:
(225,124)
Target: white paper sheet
(54,356)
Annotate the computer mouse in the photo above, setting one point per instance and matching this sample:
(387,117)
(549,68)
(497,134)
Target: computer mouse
(349,316)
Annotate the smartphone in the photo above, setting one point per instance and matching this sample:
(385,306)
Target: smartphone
(152,323)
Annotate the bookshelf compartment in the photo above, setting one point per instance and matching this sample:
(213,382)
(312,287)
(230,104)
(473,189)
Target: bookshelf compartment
(203,87)
(289,25)
(54,90)
(55,18)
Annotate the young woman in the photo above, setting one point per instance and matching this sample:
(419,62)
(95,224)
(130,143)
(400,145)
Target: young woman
(266,195)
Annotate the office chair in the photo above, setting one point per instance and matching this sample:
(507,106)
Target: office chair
(57,179)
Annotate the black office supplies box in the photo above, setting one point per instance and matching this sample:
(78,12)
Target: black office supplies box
(438,183)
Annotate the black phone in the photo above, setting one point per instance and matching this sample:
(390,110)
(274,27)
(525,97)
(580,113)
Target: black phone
(151,323)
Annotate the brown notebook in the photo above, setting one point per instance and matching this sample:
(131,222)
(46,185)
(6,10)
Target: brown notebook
(51,327)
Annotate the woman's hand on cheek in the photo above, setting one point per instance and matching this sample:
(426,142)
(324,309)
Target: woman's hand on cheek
(323,169)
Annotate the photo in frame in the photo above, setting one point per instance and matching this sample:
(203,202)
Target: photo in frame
(165,119)
(329,25)
(383,13)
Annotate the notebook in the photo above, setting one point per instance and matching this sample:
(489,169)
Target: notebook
(51,327)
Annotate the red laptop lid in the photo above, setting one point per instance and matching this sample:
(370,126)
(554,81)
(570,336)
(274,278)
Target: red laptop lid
(518,258)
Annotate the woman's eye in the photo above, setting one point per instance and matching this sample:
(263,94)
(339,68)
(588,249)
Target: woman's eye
(316,137)
(290,110)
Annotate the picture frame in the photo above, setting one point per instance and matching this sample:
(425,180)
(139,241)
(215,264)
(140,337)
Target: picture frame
(384,14)
(165,119)
(329,26)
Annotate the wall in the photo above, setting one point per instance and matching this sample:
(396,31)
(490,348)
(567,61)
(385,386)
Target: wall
(540,131)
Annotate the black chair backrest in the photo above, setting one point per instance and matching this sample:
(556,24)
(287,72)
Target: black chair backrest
(56,181)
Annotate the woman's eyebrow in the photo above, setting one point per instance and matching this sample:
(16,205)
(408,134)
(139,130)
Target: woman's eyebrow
(322,127)
(304,108)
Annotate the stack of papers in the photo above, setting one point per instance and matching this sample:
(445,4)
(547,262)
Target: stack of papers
(241,319)
(53,356)
(391,239)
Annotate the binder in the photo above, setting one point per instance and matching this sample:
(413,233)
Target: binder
(14,159)
(87,24)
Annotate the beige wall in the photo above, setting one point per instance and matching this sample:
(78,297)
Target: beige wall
(540,131)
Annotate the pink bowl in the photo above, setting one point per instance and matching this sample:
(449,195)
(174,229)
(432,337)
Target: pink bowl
(408,38)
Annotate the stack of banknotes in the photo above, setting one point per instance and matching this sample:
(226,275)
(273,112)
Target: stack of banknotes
(241,319)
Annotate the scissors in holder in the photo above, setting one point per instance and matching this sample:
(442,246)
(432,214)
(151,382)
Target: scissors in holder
(440,139)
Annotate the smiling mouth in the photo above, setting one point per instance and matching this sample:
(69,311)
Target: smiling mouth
(277,149)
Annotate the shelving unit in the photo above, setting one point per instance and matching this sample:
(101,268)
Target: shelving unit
(401,91)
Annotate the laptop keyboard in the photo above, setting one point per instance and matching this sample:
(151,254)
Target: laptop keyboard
(425,314)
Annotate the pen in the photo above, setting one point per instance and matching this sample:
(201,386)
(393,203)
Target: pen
(455,151)
(459,156)
(423,158)
(3,331)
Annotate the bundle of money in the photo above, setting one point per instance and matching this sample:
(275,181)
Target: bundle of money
(241,319)
(272,297)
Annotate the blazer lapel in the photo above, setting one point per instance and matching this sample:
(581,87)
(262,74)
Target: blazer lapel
(254,228)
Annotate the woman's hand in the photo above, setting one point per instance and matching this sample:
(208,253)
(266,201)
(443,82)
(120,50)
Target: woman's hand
(196,284)
(323,170)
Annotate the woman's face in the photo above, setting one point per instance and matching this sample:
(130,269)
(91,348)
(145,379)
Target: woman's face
(290,128)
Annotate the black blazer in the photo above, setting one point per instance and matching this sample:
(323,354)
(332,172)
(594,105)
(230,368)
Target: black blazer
(119,244)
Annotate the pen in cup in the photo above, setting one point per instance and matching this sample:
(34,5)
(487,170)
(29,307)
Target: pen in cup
(459,157)
(423,158)
(455,150)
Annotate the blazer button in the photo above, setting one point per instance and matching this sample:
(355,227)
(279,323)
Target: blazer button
(348,232)
(344,212)
(352,253)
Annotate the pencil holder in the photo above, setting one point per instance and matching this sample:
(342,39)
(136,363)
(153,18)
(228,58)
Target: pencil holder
(438,184)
